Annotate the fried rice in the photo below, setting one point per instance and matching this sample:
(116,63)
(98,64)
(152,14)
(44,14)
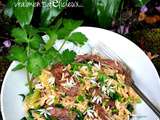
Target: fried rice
(91,88)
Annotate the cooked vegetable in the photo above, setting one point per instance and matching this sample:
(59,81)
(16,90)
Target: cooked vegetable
(32,99)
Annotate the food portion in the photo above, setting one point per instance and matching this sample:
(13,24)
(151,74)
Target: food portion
(90,88)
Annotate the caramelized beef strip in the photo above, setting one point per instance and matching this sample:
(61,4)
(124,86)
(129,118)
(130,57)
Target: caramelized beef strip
(87,57)
(72,91)
(62,114)
(95,91)
(111,104)
(101,113)
(57,71)
(111,63)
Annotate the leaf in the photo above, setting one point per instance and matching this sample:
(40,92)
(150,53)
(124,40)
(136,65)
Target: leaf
(71,24)
(102,11)
(77,38)
(62,33)
(35,41)
(58,23)
(80,98)
(31,30)
(67,56)
(35,64)
(58,106)
(115,110)
(17,53)
(140,3)
(29,115)
(23,96)
(23,11)
(90,9)
(24,118)
(18,67)
(52,56)
(19,34)
(102,78)
(107,11)
(80,115)
(8,11)
(51,41)
(113,76)
(115,96)
(130,107)
(50,10)
(68,26)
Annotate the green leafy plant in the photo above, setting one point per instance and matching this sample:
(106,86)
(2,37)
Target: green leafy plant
(140,3)
(33,47)
(23,10)
(34,54)
(102,11)
(48,13)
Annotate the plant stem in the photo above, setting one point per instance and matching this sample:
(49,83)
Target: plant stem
(62,45)
(29,82)
(28,77)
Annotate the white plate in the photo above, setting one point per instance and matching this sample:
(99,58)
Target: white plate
(144,74)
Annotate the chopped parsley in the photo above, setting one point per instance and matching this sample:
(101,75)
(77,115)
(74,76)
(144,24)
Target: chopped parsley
(115,96)
(113,76)
(79,115)
(59,105)
(102,78)
(80,98)
(130,107)
(115,110)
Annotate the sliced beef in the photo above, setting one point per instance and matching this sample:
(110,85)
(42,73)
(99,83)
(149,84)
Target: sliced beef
(112,64)
(128,78)
(72,91)
(111,103)
(62,114)
(57,71)
(94,91)
(87,57)
(101,113)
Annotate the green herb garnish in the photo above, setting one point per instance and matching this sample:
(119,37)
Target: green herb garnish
(80,98)
(115,96)
(115,110)
(130,107)
(23,96)
(29,115)
(113,76)
(102,78)
(24,118)
(59,105)
(79,115)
